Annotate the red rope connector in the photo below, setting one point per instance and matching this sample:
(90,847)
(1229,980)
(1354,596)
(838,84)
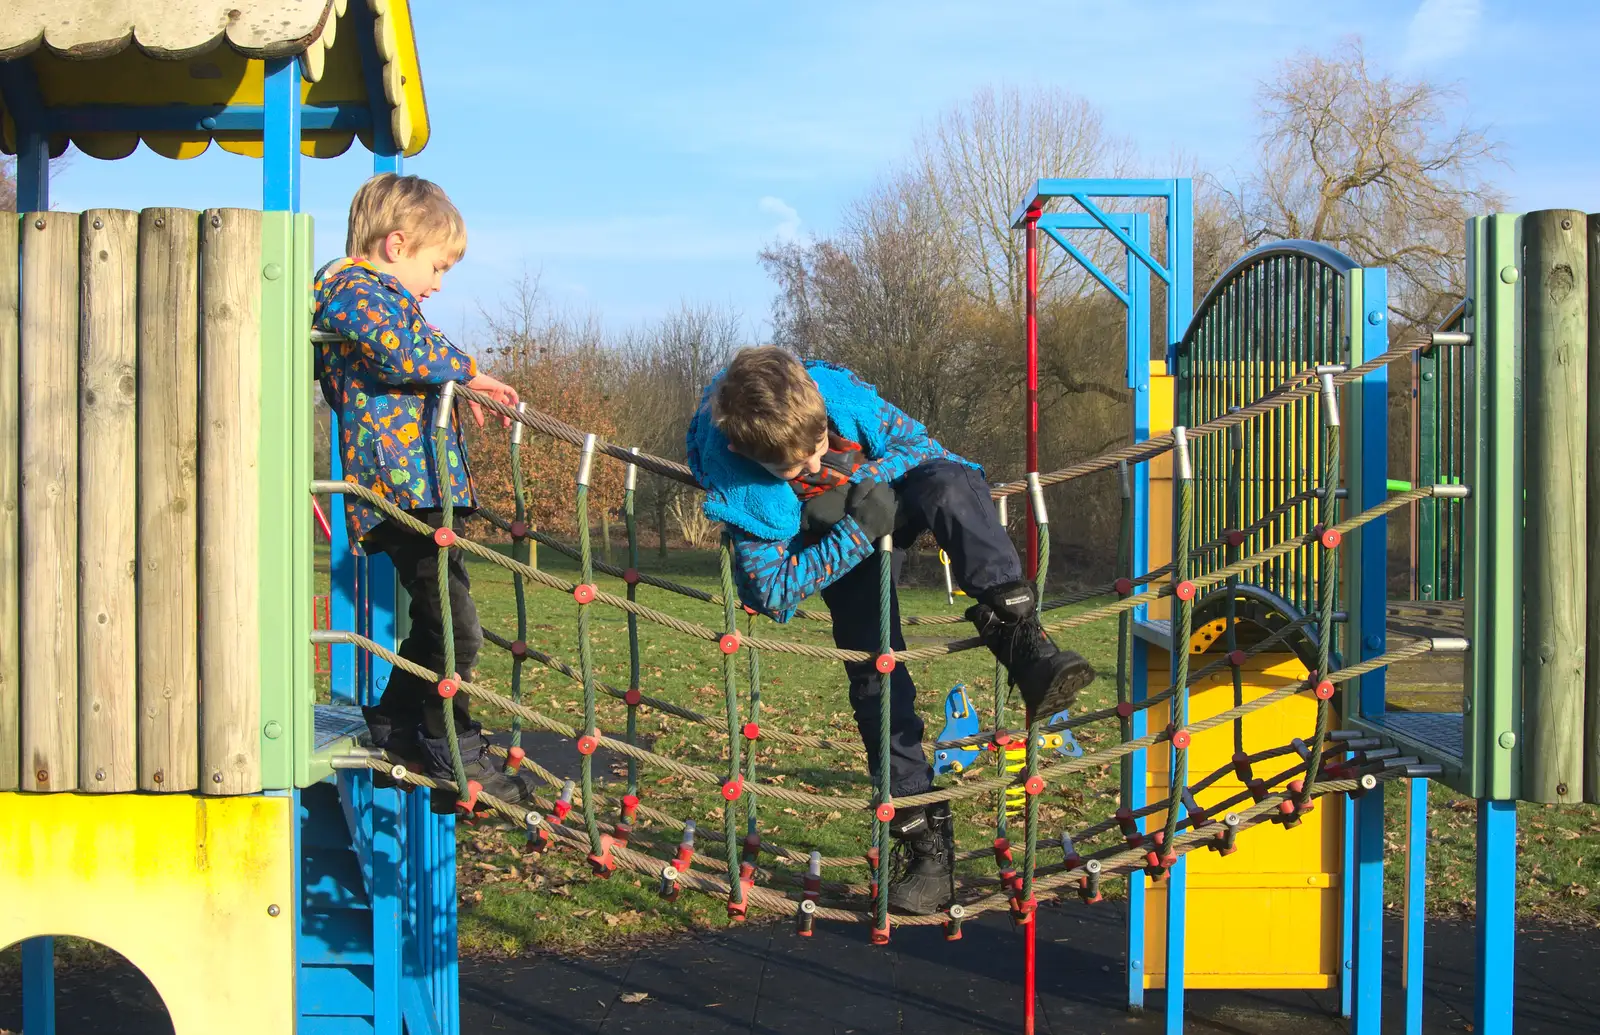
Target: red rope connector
(752,612)
(1330,538)
(514,759)
(729,643)
(880,935)
(805,915)
(737,911)
(538,837)
(813,888)
(587,744)
(1009,881)
(448,686)
(1034,785)
(884,663)
(1125,709)
(1324,690)
(1002,738)
(1241,768)
(1130,827)
(1237,658)
(1123,586)
(1158,862)
(1023,910)
(601,861)
(1089,883)
(752,848)
(563,804)
(630,806)
(519,649)
(731,789)
(470,802)
(1234,537)
(685,855)
(1292,808)
(872,868)
(1199,820)
(752,731)
(1184,590)
(519,530)
(584,593)
(1180,738)
(444,538)
(884,811)
(952,926)
(631,576)
(632,698)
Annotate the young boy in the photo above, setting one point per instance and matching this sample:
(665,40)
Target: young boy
(382,382)
(807,467)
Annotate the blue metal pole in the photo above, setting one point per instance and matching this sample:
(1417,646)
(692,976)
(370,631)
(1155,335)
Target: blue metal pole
(20,87)
(33,172)
(1370,486)
(39,986)
(386,817)
(1138,344)
(1497,915)
(280,154)
(1416,905)
(1367,1005)
(1347,912)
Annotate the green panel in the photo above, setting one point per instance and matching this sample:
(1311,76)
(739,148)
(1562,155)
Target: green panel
(1475,572)
(1497,694)
(283,465)
(1350,424)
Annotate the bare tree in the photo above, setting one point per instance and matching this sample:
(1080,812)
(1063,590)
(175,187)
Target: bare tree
(8,184)
(1375,166)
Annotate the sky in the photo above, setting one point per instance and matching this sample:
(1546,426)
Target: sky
(635,157)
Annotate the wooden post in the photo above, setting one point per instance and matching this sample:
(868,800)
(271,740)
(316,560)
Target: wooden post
(10,428)
(1555,322)
(107,429)
(1591,705)
(48,501)
(169,378)
(230,422)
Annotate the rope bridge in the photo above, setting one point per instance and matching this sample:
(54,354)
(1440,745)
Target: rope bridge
(750,870)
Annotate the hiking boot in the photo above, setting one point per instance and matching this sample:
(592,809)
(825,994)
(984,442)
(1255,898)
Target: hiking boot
(397,739)
(922,861)
(1007,621)
(482,767)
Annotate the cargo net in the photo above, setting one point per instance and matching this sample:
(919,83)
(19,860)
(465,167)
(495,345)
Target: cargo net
(747,870)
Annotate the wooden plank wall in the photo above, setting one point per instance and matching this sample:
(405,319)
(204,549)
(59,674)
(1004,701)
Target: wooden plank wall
(130,392)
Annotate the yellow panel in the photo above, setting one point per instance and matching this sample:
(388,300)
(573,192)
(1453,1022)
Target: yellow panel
(180,885)
(1267,916)
(1160,517)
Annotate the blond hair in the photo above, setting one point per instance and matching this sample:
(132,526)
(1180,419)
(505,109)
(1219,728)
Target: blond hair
(414,206)
(768,408)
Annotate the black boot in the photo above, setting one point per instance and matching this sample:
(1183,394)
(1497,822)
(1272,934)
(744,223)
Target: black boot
(482,767)
(922,861)
(1007,621)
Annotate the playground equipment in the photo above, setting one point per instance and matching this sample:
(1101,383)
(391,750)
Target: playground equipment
(269,873)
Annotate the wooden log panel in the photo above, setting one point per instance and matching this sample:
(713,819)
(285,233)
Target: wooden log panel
(1555,323)
(229,492)
(108,366)
(1591,704)
(10,429)
(169,573)
(48,500)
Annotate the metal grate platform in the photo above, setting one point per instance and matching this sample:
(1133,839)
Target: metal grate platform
(1438,732)
(335,722)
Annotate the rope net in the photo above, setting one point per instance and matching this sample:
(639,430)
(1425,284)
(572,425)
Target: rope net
(754,871)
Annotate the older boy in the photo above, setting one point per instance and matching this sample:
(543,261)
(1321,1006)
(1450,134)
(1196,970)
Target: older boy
(808,467)
(382,381)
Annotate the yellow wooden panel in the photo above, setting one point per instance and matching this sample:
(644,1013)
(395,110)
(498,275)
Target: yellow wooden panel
(1160,516)
(1267,916)
(184,887)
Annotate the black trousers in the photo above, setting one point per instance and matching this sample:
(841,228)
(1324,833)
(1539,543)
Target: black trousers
(952,501)
(408,701)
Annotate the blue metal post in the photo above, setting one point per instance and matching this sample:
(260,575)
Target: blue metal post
(1497,915)
(1138,334)
(1372,482)
(39,986)
(21,90)
(1347,913)
(386,817)
(280,155)
(1416,905)
(1367,1005)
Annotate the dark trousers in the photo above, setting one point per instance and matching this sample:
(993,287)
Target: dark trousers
(952,501)
(408,701)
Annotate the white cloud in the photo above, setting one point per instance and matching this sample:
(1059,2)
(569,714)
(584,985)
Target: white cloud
(788,227)
(1440,30)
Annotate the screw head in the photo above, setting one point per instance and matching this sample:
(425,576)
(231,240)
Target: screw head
(43,775)
(158,776)
(1508,740)
(1561,790)
(1566,224)
(99,774)
(160,221)
(216,220)
(216,777)
(1375,317)
(1508,274)
(38,224)
(273,910)
(97,224)
(272,271)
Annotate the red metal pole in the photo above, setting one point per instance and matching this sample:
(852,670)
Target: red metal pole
(322,521)
(1031,229)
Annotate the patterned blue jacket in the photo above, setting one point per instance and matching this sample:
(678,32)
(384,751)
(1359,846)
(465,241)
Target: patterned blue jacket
(774,568)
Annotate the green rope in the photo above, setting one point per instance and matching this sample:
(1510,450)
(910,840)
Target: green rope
(885,635)
(633,625)
(1182,630)
(591,815)
(1001,822)
(519,552)
(730,681)
(1325,600)
(1125,622)
(441,464)
(1036,725)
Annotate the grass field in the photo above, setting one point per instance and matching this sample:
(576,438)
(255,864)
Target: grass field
(511,903)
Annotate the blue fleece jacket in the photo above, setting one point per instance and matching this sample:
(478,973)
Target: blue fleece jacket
(774,568)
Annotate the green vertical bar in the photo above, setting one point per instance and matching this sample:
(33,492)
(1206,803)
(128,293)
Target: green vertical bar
(1475,525)
(283,468)
(1429,392)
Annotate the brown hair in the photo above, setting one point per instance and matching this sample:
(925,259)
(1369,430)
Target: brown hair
(768,407)
(416,207)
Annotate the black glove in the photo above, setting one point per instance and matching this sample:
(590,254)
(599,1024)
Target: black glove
(874,506)
(821,513)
